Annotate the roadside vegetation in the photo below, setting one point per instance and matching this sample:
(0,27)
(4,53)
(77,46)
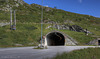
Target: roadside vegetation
(90,53)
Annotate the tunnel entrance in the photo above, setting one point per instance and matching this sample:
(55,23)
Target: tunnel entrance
(98,42)
(55,39)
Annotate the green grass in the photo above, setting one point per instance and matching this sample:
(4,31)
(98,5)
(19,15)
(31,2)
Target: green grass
(27,33)
(24,34)
(29,28)
(90,53)
(32,13)
(80,37)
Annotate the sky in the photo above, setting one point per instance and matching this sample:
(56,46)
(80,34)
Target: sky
(87,7)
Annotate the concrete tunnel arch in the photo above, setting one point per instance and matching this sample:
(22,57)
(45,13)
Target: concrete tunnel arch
(55,39)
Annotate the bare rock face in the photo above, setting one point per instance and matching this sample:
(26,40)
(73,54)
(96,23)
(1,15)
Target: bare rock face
(20,1)
(94,42)
(76,28)
(6,5)
(4,24)
(18,45)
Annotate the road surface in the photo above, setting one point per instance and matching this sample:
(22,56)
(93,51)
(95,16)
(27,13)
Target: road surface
(30,53)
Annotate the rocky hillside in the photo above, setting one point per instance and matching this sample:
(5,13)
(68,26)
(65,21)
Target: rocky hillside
(28,28)
(7,5)
(32,13)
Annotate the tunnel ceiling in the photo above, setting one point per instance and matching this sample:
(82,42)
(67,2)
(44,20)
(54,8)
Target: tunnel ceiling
(55,39)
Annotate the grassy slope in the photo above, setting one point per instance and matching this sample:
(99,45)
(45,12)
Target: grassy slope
(27,33)
(90,53)
(32,13)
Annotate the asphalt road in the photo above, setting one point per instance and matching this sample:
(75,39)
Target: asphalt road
(30,53)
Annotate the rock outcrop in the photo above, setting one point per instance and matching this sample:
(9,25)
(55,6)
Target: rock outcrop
(94,42)
(7,5)
(69,27)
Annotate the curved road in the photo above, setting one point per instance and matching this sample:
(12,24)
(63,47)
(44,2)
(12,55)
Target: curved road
(30,53)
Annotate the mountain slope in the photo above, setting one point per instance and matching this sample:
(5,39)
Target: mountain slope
(28,23)
(26,12)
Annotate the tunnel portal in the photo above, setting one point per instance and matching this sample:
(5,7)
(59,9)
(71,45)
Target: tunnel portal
(55,39)
(98,42)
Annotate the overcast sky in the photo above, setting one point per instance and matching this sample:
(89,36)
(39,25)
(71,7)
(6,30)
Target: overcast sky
(88,7)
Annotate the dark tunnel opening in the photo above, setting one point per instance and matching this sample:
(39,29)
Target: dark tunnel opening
(55,39)
(98,42)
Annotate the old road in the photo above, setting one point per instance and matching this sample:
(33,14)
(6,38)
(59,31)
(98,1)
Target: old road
(30,53)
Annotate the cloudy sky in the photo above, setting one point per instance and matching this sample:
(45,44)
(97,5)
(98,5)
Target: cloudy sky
(88,7)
